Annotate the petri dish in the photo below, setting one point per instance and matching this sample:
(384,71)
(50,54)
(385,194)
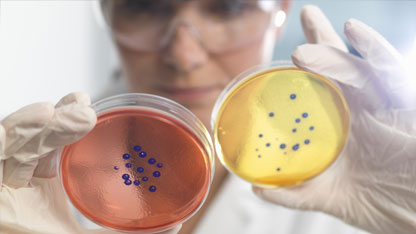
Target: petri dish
(277,125)
(145,167)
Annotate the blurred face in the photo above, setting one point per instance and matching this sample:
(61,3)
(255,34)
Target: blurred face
(188,51)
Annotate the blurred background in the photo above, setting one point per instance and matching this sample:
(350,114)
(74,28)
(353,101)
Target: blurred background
(51,48)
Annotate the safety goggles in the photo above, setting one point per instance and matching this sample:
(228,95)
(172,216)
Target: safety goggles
(219,25)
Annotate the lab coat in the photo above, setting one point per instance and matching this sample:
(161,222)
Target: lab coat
(236,210)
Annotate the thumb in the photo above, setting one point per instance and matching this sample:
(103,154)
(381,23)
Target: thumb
(318,194)
(292,197)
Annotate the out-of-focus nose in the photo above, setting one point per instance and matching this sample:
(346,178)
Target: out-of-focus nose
(184,51)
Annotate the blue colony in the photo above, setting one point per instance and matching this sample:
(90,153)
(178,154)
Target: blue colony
(295,147)
(271,114)
(128,165)
(115,167)
(136,182)
(151,161)
(125,176)
(152,188)
(156,174)
(140,169)
(297,120)
(142,154)
(307,141)
(268,145)
(127,182)
(159,165)
(126,156)
(145,178)
(282,146)
(260,135)
(294,130)
(311,128)
(292,96)
(305,115)
(137,148)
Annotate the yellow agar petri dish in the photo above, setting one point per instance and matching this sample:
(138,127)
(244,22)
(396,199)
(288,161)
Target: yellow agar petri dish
(280,126)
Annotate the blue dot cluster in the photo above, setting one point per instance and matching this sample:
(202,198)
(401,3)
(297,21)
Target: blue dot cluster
(142,154)
(283,146)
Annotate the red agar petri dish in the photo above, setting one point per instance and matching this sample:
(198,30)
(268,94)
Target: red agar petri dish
(145,167)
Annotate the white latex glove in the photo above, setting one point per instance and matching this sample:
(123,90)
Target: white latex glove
(32,199)
(373,184)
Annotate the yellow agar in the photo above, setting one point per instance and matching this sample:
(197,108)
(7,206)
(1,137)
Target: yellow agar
(258,117)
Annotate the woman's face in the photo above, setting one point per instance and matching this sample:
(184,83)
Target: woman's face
(188,51)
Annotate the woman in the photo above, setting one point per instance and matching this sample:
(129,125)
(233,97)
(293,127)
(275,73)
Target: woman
(188,51)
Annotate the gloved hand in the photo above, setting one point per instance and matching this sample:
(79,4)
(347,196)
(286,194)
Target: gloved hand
(31,197)
(373,183)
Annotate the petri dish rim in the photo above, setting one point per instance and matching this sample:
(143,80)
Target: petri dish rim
(253,72)
(162,106)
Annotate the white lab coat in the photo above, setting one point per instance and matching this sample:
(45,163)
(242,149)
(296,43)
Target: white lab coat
(236,210)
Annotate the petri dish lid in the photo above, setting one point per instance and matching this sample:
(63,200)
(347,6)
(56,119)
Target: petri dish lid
(146,166)
(278,125)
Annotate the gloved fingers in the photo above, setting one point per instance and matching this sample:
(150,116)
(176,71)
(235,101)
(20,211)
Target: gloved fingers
(75,97)
(47,166)
(401,119)
(386,62)
(344,68)
(318,29)
(17,174)
(315,194)
(373,47)
(296,197)
(25,124)
(332,63)
(69,124)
